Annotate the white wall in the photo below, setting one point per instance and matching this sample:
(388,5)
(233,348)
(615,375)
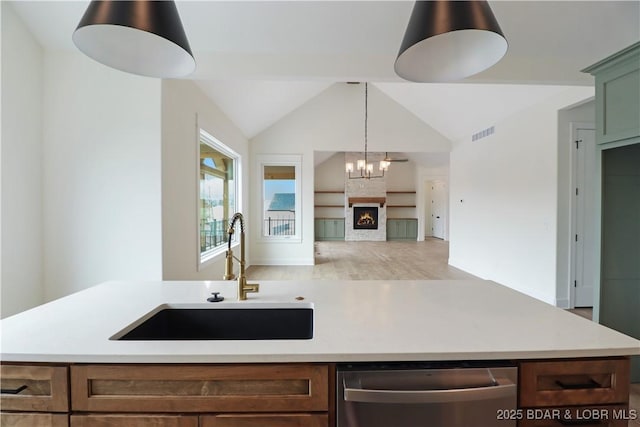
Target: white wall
(182,100)
(22,75)
(584,113)
(334,121)
(503,199)
(329,176)
(101,170)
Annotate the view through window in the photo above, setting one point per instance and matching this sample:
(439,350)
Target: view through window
(218,190)
(279,203)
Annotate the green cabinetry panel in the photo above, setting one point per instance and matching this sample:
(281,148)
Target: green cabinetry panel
(618,138)
(402,229)
(329,229)
(617,93)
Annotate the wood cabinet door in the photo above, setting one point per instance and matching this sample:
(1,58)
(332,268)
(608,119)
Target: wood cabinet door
(265,420)
(134,420)
(298,387)
(574,382)
(33,420)
(34,388)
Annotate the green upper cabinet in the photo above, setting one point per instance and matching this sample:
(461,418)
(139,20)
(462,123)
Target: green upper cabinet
(617,95)
(617,297)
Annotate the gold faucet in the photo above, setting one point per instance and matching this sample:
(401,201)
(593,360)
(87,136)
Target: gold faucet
(243,287)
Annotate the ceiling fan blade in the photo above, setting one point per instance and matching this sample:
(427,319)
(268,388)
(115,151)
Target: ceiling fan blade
(389,159)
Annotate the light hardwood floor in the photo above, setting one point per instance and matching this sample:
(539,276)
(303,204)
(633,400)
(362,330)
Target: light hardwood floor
(387,260)
(370,260)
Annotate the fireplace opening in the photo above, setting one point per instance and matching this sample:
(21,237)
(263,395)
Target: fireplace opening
(365,218)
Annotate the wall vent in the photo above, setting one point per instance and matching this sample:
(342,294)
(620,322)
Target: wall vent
(483,133)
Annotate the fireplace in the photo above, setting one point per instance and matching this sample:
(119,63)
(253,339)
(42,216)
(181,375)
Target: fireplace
(365,217)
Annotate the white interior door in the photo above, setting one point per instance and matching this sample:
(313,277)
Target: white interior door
(438,208)
(584,221)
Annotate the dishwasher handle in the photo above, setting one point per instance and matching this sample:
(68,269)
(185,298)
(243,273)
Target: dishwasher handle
(504,388)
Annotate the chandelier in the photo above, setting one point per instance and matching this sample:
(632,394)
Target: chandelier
(363,166)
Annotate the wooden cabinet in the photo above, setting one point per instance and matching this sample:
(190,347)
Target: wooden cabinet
(34,396)
(265,420)
(16,419)
(34,388)
(218,395)
(592,391)
(585,392)
(402,229)
(134,421)
(329,229)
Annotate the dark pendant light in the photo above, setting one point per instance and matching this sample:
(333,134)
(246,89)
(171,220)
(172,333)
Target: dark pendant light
(449,40)
(140,37)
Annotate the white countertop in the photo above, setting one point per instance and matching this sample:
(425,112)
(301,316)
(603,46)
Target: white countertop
(354,321)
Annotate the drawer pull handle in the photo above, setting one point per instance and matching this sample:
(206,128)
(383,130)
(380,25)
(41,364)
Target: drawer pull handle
(13,390)
(590,384)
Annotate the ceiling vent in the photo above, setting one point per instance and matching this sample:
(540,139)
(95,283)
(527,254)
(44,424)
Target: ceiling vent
(483,133)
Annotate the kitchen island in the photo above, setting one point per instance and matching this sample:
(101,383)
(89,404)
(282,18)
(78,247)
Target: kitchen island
(69,341)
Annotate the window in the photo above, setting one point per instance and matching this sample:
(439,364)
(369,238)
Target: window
(218,188)
(280,182)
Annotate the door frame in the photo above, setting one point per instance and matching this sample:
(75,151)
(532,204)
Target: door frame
(421,198)
(573,226)
(444,193)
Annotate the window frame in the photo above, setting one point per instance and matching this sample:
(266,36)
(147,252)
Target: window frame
(294,160)
(204,259)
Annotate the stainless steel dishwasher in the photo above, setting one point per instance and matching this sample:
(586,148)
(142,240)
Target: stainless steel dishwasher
(426,395)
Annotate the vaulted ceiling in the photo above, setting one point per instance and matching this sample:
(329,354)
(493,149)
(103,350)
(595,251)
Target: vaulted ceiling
(260,60)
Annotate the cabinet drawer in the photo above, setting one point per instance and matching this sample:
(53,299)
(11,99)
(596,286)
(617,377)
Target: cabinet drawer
(200,388)
(574,382)
(134,421)
(36,388)
(584,416)
(265,420)
(33,420)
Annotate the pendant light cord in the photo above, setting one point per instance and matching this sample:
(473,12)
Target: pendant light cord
(366,118)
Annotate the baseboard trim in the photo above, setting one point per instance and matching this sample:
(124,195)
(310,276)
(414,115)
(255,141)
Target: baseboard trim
(280,261)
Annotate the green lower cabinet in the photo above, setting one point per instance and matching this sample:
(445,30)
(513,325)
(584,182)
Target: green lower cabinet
(402,229)
(329,229)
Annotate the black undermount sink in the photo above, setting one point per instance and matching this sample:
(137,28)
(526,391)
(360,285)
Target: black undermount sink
(234,321)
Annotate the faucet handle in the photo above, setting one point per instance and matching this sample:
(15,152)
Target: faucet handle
(228,266)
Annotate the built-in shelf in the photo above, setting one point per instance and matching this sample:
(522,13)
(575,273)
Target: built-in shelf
(342,206)
(355,200)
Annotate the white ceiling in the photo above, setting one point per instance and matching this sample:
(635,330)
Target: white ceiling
(260,60)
